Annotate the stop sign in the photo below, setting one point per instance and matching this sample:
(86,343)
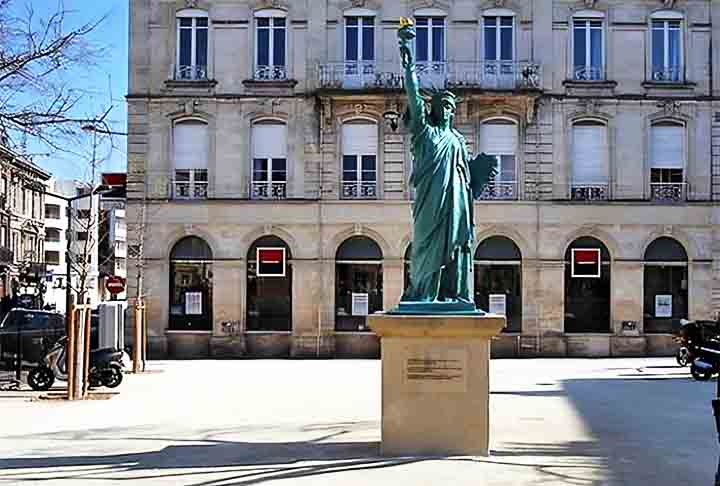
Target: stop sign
(115,285)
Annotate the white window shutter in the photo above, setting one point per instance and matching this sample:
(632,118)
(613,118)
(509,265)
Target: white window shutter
(589,155)
(359,138)
(666,147)
(269,141)
(498,138)
(190,145)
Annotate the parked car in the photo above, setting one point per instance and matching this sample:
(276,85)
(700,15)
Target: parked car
(37,330)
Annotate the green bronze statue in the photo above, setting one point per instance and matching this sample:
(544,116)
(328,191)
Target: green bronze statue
(446,182)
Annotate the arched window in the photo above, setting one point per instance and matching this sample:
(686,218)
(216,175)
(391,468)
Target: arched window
(498,280)
(359,164)
(270,45)
(665,285)
(499,138)
(590,164)
(358,283)
(269,297)
(269,171)
(667,161)
(667,59)
(191,285)
(588,45)
(192,45)
(587,286)
(190,159)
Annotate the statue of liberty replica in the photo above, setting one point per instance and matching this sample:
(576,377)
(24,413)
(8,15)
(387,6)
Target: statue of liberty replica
(446,182)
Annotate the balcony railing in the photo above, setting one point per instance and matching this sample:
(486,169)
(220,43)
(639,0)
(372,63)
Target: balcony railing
(668,191)
(673,74)
(589,192)
(189,190)
(589,73)
(359,190)
(482,75)
(190,73)
(268,190)
(270,73)
(499,191)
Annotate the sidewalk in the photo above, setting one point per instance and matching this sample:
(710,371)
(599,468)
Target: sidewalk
(554,422)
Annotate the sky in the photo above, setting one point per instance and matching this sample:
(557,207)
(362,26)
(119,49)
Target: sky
(108,77)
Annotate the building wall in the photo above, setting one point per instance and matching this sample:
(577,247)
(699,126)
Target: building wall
(314,220)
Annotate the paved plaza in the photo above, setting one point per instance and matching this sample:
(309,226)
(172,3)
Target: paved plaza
(217,423)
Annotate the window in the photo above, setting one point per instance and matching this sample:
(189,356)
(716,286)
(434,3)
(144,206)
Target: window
(499,138)
(498,38)
(588,51)
(589,161)
(269,170)
(271,38)
(359,38)
(190,157)
(52,211)
(192,45)
(191,285)
(52,235)
(667,146)
(430,39)
(665,285)
(358,283)
(52,257)
(667,58)
(82,236)
(269,298)
(359,165)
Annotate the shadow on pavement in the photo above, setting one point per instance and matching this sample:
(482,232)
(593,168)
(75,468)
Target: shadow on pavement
(657,431)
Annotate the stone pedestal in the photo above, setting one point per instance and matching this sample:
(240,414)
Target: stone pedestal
(435,383)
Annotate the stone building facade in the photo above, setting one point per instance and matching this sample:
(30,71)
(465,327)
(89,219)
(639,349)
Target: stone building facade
(22,227)
(266,131)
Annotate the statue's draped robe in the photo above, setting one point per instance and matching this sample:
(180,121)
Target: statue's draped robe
(442,210)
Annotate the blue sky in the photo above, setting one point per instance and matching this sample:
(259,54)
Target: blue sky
(109,76)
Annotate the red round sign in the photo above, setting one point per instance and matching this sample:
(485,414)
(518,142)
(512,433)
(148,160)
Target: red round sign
(115,285)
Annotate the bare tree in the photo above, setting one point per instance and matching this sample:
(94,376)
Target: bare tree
(40,58)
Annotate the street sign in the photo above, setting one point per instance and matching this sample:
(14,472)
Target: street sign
(115,285)
(585,263)
(270,262)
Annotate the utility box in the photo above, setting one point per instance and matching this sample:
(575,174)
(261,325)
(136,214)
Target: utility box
(111,324)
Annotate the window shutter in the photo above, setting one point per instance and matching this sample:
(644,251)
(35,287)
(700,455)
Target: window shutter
(498,138)
(589,162)
(359,138)
(269,141)
(190,145)
(666,147)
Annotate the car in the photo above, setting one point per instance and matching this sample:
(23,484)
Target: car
(37,330)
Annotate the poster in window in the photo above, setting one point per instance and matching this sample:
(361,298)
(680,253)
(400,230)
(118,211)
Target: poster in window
(585,263)
(497,304)
(360,304)
(663,305)
(193,303)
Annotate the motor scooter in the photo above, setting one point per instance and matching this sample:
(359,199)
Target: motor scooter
(105,367)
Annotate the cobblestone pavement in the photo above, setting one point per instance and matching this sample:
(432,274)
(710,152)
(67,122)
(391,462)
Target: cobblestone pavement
(554,422)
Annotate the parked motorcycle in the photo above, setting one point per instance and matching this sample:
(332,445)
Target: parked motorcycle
(105,367)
